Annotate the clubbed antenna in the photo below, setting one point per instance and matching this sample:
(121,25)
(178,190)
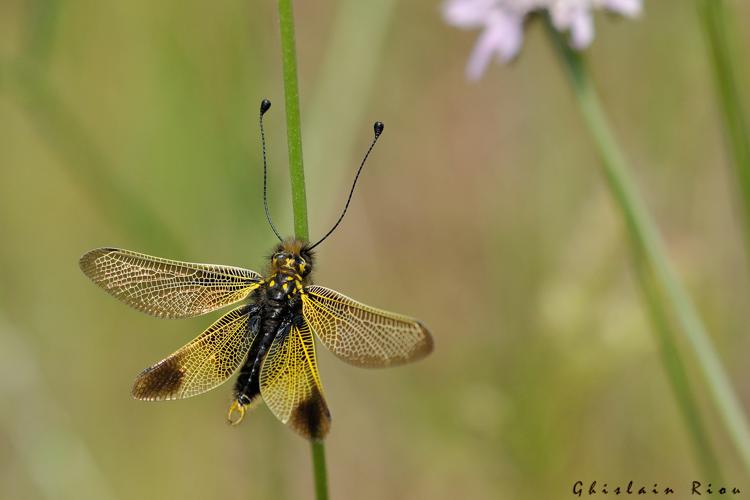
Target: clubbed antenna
(265,105)
(378,128)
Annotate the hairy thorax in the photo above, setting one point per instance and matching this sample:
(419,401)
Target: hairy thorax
(289,272)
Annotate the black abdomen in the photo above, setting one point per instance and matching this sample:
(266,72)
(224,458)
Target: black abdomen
(277,306)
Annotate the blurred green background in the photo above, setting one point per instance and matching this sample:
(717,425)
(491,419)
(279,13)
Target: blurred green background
(482,212)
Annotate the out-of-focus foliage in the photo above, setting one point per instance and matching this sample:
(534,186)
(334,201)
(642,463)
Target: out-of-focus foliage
(482,212)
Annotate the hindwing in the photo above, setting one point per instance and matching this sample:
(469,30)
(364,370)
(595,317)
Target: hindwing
(363,335)
(201,365)
(290,383)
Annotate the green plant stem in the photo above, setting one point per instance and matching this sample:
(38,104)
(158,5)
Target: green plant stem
(293,126)
(645,237)
(720,38)
(317,448)
(297,175)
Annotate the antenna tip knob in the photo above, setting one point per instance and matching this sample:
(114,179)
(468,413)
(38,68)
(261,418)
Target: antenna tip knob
(265,105)
(378,127)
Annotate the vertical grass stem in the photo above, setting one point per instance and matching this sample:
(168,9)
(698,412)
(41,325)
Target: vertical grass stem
(297,175)
(293,125)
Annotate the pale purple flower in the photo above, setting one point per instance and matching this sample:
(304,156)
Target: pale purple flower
(502,21)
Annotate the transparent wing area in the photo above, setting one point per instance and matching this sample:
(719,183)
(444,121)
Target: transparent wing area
(362,335)
(167,288)
(201,365)
(290,384)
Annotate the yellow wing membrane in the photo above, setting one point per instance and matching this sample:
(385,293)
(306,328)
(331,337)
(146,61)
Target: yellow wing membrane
(167,288)
(201,365)
(362,335)
(290,384)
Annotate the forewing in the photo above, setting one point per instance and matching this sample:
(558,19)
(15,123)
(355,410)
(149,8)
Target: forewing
(290,384)
(201,365)
(167,288)
(363,335)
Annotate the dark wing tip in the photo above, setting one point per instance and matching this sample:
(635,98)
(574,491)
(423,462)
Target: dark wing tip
(311,418)
(158,382)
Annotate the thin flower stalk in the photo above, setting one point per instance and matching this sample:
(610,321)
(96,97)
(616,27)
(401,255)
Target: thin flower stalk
(646,239)
(502,24)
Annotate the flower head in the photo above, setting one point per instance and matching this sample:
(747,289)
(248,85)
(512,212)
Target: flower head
(502,23)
